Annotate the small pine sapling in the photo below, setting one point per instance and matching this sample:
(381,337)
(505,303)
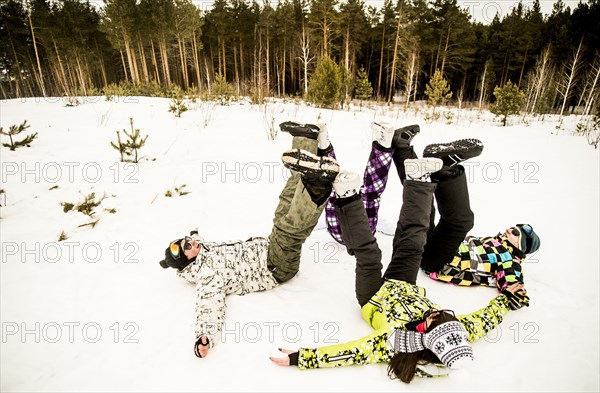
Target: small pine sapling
(177,106)
(15,130)
(129,149)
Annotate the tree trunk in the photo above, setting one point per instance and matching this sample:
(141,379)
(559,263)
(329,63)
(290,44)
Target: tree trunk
(143,59)
(162,46)
(63,77)
(283,63)
(541,76)
(570,76)
(590,99)
(235,67)
(102,66)
(394,58)
(381,62)
(224,60)
(183,60)
(37,58)
(410,74)
(522,68)
(155,62)
(482,88)
(445,51)
(124,64)
(242,66)
(207,75)
(268,60)
(196,60)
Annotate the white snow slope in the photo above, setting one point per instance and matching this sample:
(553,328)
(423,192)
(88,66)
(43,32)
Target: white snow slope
(97,313)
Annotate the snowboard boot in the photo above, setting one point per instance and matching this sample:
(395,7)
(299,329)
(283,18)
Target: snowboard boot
(455,152)
(297,129)
(346,184)
(312,168)
(383,133)
(420,169)
(404,135)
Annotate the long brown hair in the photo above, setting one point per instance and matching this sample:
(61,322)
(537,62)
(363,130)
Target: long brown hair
(404,365)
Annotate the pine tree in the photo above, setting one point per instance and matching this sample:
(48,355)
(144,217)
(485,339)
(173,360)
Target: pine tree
(15,130)
(325,85)
(221,90)
(437,90)
(130,147)
(363,89)
(508,101)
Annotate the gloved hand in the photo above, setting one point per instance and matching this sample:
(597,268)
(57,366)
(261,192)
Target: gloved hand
(517,299)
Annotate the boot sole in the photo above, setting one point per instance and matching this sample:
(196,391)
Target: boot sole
(297,129)
(456,151)
(310,165)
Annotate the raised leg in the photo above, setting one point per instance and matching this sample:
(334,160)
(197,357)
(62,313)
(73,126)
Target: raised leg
(411,231)
(375,181)
(361,243)
(302,206)
(456,218)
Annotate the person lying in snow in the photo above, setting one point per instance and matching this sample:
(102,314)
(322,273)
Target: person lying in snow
(449,255)
(414,335)
(259,263)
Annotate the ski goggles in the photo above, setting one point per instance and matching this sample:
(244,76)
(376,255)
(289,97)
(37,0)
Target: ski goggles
(526,228)
(175,247)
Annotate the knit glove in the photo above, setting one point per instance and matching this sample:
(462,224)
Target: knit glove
(516,300)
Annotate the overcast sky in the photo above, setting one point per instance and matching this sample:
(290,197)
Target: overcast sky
(481,10)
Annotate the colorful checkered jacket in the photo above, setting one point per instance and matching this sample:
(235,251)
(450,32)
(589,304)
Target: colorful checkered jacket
(490,261)
(396,304)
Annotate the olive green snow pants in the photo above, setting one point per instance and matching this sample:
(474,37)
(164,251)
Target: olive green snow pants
(295,217)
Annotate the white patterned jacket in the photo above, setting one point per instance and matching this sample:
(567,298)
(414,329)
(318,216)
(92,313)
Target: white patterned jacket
(220,269)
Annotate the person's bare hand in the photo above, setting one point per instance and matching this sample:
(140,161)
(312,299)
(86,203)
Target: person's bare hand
(202,348)
(516,287)
(284,361)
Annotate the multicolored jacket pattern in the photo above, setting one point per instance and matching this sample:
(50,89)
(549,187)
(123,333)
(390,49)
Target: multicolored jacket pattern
(490,261)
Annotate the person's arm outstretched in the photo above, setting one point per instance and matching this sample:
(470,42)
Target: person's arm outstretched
(479,323)
(373,348)
(210,310)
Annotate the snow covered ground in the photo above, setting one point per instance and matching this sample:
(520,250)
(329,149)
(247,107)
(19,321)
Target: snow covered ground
(97,313)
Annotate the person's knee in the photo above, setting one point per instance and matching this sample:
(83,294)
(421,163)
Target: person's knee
(467,221)
(283,275)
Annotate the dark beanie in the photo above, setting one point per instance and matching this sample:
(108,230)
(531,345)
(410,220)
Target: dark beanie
(530,241)
(175,263)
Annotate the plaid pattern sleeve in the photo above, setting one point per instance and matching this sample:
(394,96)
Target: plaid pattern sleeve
(483,321)
(374,182)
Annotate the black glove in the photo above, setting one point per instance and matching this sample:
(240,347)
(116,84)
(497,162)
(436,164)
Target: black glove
(294,358)
(200,342)
(516,300)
